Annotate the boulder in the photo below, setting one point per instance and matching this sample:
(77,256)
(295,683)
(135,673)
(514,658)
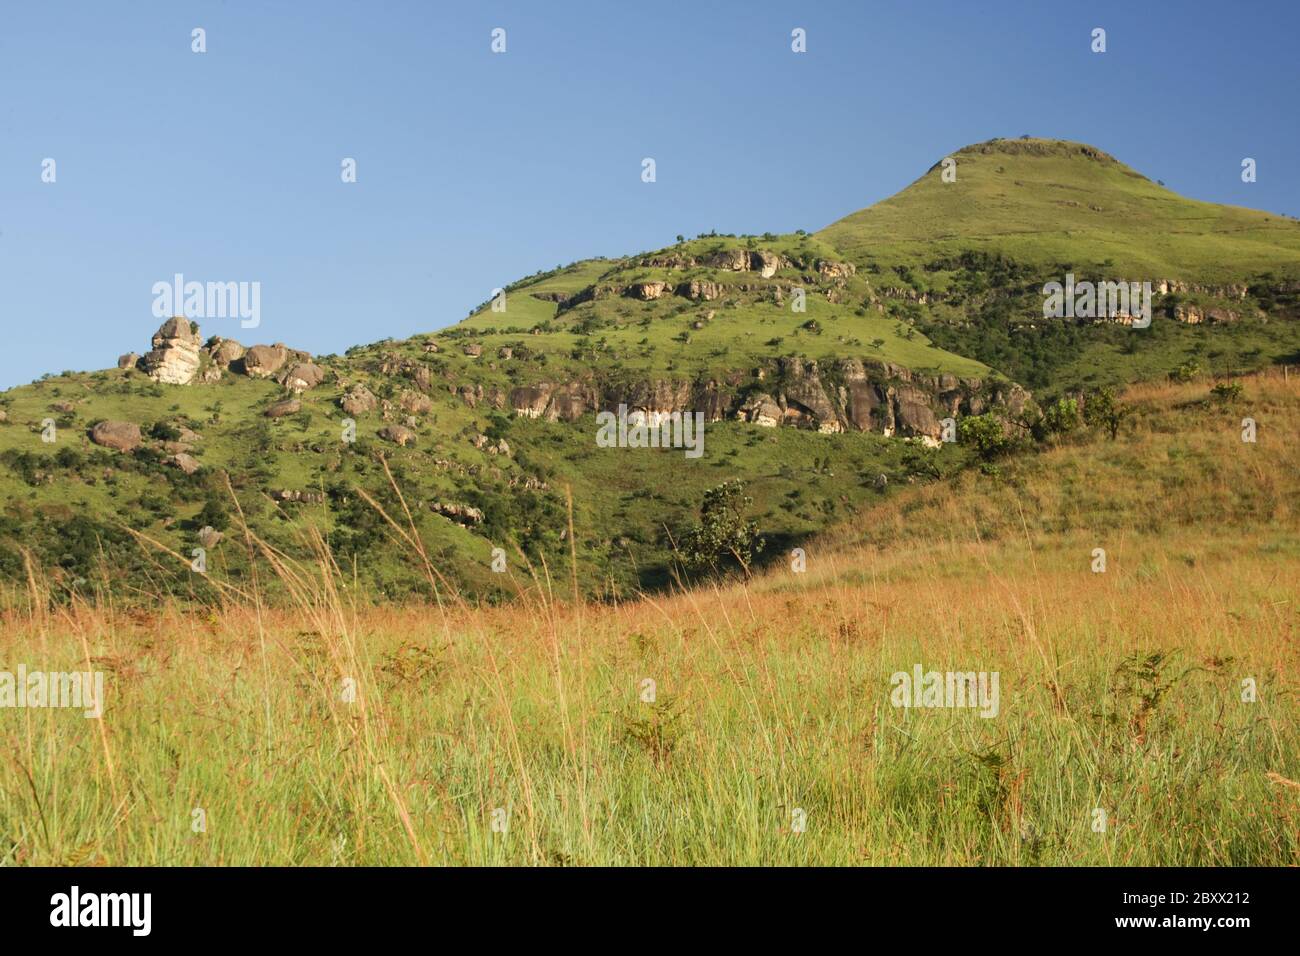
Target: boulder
(358,400)
(290,406)
(186,463)
(415,403)
(263,361)
(128,360)
(174,359)
(301,376)
(224,352)
(397,434)
(120,436)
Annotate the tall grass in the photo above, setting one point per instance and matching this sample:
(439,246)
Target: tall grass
(337,732)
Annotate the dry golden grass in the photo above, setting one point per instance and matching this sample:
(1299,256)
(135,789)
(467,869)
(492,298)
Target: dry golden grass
(1119,691)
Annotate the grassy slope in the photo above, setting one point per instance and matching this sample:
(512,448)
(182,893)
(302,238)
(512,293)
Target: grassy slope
(645,336)
(1046,203)
(768,699)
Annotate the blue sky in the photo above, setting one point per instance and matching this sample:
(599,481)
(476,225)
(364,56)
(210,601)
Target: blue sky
(475,168)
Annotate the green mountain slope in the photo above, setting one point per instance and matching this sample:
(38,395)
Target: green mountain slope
(1044,202)
(824,366)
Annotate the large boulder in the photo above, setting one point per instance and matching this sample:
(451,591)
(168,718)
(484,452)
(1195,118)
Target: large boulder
(128,360)
(185,462)
(224,352)
(397,434)
(301,376)
(290,406)
(358,400)
(174,359)
(120,436)
(263,361)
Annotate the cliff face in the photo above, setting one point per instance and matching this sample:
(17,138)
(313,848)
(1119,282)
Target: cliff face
(862,395)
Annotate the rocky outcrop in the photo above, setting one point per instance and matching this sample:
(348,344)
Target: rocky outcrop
(263,361)
(301,376)
(461,514)
(701,289)
(174,359)
(185,462)
(398,435)
(296,495)
(224,352)
(846,395)
(647,291)
(120,436)
(290,406)
(128,360)
(415,403)
(358,400)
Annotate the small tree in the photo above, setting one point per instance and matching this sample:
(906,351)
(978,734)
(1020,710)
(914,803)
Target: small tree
(984,433)
(1102,410)
(723,531)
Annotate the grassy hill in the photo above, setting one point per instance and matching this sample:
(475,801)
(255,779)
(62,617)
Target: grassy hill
(825,362)
(740,724)
(1049,202)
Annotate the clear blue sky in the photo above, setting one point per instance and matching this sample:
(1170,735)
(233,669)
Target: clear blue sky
(475,169)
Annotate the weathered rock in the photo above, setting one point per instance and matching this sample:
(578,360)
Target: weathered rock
(463,514)
(472,349)
(913,414)
(397,434)
(358,401)
(301,376)
(120,436)
(263,361)
(128,360)
(761,409)
(174,359)
(290,406)
(701,289)
(647,290)
(185,462)
(835,270)
(294,494)
(415,403)
(224,352)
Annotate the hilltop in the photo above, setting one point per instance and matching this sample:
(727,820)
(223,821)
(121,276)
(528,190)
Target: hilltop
(824,366)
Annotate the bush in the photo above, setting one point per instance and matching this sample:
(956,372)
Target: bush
(985,434)
(723,533)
